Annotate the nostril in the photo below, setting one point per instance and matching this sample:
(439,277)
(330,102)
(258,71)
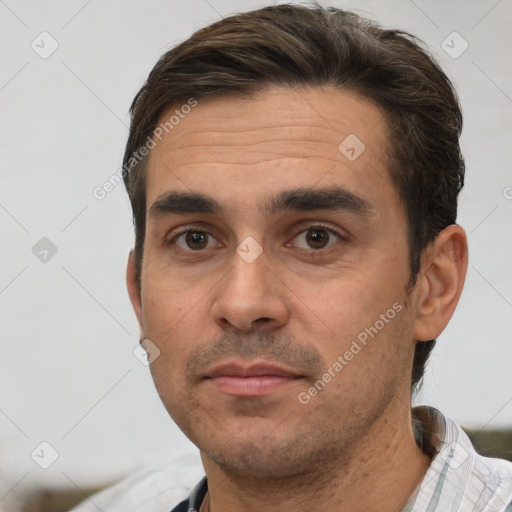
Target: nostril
(263,320)
(224,321)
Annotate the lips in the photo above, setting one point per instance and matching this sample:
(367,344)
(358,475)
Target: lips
(253,370)
(257,379)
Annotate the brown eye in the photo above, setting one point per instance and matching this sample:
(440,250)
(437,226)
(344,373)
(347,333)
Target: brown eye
(317,238)
(194,240)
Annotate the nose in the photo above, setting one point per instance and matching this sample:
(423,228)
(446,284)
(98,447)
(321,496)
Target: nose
(250,297)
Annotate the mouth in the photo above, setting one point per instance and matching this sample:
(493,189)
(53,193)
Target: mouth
(257,379)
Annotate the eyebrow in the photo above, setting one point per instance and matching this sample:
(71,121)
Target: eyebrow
(329,198)
(184,202)
(298,199)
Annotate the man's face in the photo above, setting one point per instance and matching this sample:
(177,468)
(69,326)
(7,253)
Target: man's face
(274,278)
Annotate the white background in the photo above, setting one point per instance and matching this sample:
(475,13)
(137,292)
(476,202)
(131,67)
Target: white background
(67,372)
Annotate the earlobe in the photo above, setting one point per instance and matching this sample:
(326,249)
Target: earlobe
(441,281)
(133,289)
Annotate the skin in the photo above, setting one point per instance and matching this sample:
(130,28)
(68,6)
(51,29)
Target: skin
(300,303)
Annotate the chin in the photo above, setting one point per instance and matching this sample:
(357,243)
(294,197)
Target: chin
(250,461)
(266,454)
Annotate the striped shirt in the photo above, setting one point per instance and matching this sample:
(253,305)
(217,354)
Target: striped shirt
(458,479)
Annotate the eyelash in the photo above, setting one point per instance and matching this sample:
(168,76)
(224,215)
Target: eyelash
(313,227)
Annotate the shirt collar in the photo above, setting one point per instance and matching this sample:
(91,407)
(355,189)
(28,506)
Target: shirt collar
(197,495)
(458,478)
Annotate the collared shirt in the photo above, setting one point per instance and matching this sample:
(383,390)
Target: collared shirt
(458,479)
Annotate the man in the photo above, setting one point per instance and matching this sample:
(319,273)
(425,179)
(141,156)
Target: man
(294,174)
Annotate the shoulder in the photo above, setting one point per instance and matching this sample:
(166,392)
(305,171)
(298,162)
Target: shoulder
(460,479)
(158,488)
(492,483)
(488,481)
(481,484)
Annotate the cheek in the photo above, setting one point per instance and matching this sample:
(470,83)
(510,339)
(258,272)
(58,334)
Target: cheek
(347,302)
(360,309)
(370,365)
(169,383)
(165,302)
(167,324)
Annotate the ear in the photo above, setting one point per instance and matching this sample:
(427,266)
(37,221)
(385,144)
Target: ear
(440,283)
(133,289)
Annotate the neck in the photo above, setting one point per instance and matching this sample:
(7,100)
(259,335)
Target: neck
(379,473)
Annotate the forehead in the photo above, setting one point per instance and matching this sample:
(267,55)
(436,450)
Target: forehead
(230,147)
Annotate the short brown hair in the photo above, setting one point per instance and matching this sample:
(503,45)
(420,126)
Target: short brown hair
(291,45)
